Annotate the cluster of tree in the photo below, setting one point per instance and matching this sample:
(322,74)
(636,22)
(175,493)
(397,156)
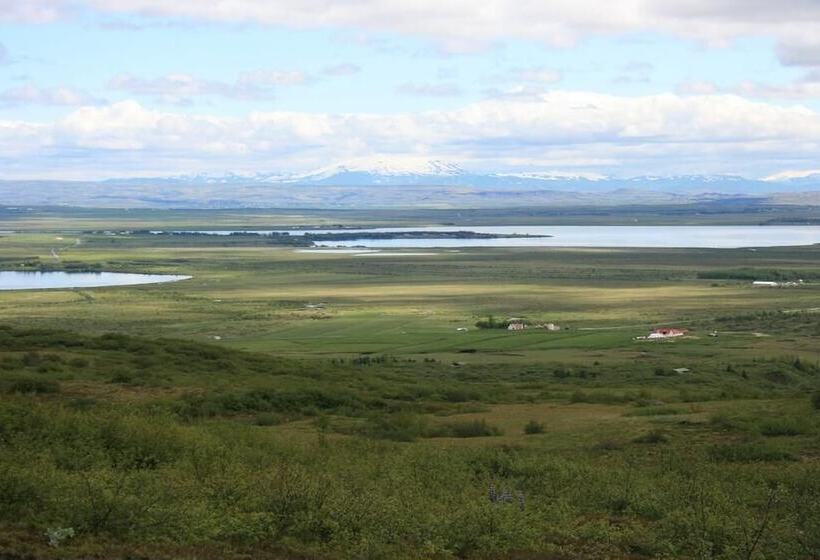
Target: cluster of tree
(752,274)
(492,323)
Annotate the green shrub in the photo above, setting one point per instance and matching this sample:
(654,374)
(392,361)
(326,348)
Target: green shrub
(815,400)
(122,378)
(31,385)
(19,492)
(396,427)
(464,429)
(82,403)
(782,427)
(599,397)
(724,423)
(459,395)
(658,411)
(749,453)
(269,419)
(78,362)
(608,445)
(304,402)
(534,427)
(653,436)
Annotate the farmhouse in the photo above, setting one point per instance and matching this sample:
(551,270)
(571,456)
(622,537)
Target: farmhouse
(516,327)
(667,332)
(766,284)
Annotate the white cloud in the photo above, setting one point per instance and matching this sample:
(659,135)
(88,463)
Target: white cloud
(697,87)
(171,88)
(33,95)
(180,89)
(34,11)
(346,69)
(268,78)
(792,174)
(800,51)
(805,88)
(559,129)
(429,90)
(462,25)
(539,75)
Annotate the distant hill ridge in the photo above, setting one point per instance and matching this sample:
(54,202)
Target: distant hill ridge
(425,183)
(442,173)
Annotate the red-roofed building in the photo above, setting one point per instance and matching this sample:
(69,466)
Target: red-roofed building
(667,332)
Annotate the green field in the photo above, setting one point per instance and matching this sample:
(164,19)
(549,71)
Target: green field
(283,404)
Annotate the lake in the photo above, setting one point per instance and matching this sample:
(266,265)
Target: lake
(715,237)
(16,280)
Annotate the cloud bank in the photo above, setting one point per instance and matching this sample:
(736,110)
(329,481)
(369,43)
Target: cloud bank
(461,25)
(665,133)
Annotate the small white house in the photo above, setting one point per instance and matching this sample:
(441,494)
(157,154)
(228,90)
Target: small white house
(667,333)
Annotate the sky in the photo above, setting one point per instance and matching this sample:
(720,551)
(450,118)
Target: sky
(92,89)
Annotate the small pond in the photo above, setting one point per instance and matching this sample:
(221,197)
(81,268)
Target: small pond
(17,280)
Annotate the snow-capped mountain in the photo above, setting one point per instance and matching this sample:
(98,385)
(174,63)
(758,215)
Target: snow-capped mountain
(379,172)
(438,173)
(411,183)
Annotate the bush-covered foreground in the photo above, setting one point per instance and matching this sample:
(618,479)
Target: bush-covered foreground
(126,477)
(346,461)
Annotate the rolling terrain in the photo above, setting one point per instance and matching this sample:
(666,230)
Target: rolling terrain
(282,404)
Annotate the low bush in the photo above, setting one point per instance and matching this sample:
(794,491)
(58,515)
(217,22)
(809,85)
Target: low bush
(749,453)
(658,411)
(395,427)
(269,419)
(464,429)
(608,445)
(599,397)
(653,436)
(534,427)
(31,385)
(782,427)
(723,422)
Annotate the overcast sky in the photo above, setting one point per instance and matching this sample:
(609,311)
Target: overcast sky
(107,88)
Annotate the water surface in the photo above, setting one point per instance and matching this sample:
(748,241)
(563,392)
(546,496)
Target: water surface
(715,237)
(17,280)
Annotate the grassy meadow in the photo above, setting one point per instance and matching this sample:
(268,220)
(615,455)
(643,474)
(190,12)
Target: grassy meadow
(288,404)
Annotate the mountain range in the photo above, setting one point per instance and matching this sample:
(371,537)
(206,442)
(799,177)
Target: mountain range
(426,184)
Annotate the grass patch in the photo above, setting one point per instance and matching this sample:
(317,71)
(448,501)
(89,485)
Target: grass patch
(652,437)
(30,385)
(774,427)
(750,452)
(464,429)
(658,411)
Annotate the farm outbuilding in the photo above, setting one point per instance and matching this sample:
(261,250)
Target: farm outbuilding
(667,332)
